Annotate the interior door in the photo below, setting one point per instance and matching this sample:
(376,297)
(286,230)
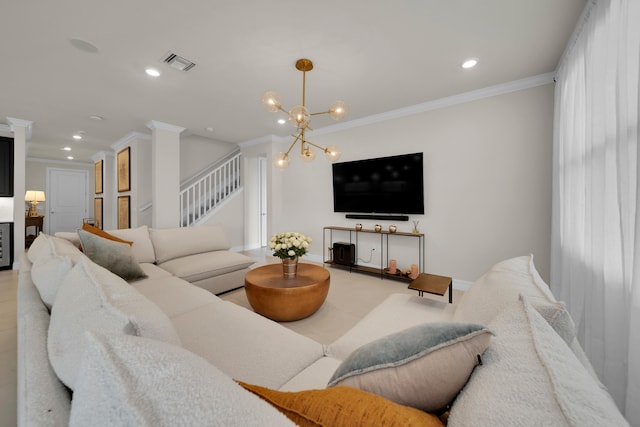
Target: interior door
(67,199)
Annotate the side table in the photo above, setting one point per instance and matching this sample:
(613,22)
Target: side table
(32,221)
(432,284)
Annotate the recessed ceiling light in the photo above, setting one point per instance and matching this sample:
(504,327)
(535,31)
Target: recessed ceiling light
(470,63)
(66,148)
(77,136)
(209,129)
(98,118)
(152,72)
(282,121)
(69,157)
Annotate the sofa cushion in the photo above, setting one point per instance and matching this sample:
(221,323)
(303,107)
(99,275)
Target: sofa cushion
(529,375)
(202,266)
(245,345)
(40,244)
(133,381)
(384,320)
(111,254)
(424,366)
(314,376)
(170,243)
(142,246)
(47,273)
(502,285)
(92,298)
(342,407)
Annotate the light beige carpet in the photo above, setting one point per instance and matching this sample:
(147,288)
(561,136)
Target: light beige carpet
(351,296)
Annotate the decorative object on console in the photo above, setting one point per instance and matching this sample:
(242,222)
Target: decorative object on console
(34,197)
(358,227)
(288,247)
(414,271)
(377,228)
(300,116)
(392,266)
(415,227)
(393,229)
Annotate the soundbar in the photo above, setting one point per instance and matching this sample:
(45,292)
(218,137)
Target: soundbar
(376,216)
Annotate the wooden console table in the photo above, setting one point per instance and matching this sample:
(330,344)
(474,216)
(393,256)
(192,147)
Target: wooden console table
(32,221)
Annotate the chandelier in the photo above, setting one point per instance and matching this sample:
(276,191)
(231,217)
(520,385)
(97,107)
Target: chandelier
(300,117)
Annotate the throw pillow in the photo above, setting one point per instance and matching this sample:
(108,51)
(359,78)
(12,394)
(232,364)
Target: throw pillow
(100,232)
(114,256)
(529,376)
(91,298)
(47,274)
(134,381)
(424,366)
(38,246)
(342,407)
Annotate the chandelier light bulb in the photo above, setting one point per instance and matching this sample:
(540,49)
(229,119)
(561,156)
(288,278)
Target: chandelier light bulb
(281,161)
(333,153)
(300,116)
(271,101)
(307,155)
(338,110)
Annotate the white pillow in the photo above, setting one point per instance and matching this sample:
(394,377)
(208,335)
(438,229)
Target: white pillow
(503,284)
(529,376)
(47,273)
(142,247)
(135,381)
(93,299)
(40,244)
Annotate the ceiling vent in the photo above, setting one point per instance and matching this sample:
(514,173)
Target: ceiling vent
(178,62)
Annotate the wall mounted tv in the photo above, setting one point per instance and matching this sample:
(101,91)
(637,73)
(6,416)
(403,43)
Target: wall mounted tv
(387,185)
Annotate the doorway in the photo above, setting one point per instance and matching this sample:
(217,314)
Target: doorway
(67,199)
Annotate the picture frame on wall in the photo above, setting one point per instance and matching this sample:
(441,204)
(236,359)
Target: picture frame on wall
(124,170)
(97,212)
(124,212)
(98,169)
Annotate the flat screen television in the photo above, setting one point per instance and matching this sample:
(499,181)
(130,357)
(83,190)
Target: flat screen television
(387,185)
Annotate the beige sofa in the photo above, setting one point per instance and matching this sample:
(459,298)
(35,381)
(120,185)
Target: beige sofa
(199,255)
(160,351)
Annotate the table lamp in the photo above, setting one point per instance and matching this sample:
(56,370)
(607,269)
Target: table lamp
(34,197)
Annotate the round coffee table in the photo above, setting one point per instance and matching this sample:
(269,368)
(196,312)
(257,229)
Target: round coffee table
(286,299)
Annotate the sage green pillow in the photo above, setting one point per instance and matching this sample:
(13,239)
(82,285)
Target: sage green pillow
(115,256)
(425,366)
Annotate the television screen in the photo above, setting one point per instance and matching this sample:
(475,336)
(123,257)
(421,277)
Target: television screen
(383,185)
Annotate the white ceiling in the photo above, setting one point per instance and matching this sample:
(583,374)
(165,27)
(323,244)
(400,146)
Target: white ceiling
(376,55)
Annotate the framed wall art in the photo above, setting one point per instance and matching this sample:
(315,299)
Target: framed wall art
(97,211)
(97,172)
(124,212)
(124,170)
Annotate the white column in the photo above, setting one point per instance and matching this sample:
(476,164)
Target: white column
(165,174)
(21,133)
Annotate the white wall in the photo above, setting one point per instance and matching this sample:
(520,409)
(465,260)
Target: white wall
(487,172)
(196,153)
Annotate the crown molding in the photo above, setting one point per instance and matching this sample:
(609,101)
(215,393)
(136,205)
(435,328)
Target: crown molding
(58,162)
(129,139)
(153,125)
(262,140)
(475,95)
(27,124)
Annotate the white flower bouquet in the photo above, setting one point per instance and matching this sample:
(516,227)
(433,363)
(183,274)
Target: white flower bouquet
(289,245)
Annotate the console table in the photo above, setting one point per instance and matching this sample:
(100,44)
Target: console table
(32,221)
(385,235)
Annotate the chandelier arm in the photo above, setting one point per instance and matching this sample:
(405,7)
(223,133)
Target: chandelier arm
(296,138)
(317,114)
(315,145)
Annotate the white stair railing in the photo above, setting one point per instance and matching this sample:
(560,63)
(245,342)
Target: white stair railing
(204,195)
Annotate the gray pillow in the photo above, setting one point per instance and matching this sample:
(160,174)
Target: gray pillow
(114,256)
(424,366)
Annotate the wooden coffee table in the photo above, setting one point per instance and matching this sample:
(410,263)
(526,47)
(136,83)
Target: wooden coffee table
(286,299)
(433,284)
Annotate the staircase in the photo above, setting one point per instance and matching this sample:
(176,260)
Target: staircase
(203,194)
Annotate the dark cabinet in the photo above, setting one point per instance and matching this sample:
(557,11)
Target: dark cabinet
(6,167)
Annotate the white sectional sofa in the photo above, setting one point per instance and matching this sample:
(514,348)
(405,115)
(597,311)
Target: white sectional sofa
(161,351)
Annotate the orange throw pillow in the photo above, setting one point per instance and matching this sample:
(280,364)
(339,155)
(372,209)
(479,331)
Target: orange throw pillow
(342,406)
(99,232)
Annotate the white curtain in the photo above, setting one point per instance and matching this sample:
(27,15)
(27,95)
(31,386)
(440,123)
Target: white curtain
(595,266)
